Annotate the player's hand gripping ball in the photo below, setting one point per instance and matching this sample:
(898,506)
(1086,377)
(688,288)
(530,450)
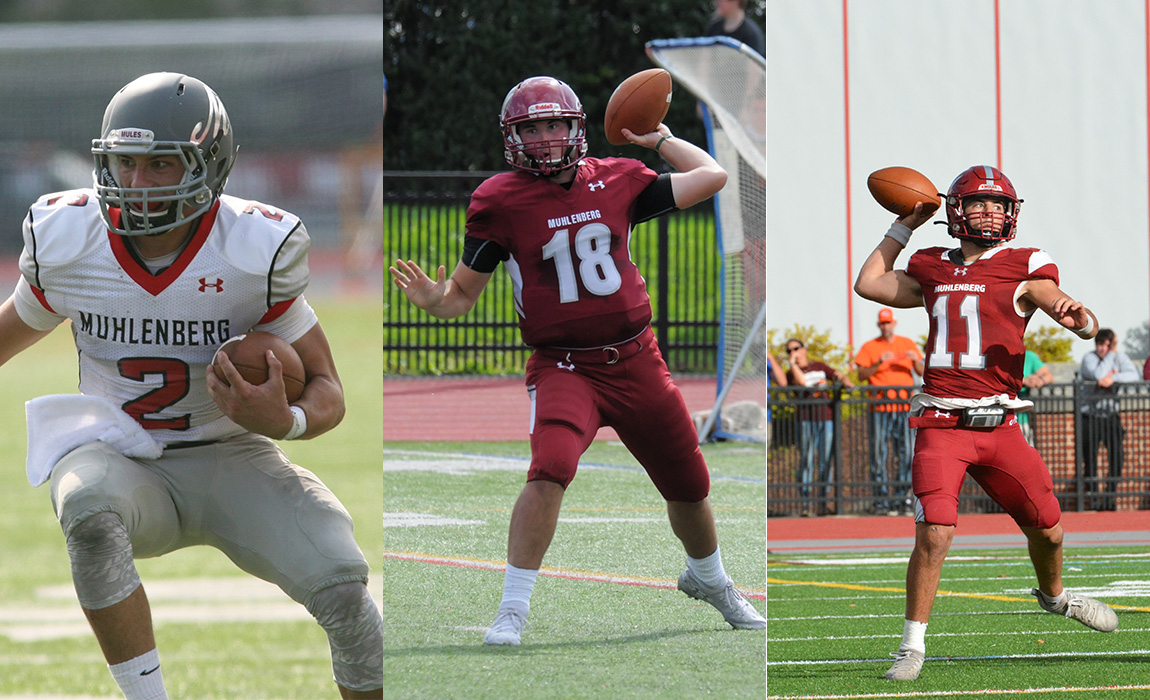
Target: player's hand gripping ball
(898,189)
(249,355)
(639,103)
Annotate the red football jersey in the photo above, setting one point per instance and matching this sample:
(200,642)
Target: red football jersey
(575,285)
(975,347)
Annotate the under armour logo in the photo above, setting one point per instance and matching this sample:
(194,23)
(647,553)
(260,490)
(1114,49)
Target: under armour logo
(218,285)
(592,185)
(942,414)
(569,367)
(960,271)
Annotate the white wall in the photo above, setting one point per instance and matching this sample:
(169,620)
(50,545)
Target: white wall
(922,91)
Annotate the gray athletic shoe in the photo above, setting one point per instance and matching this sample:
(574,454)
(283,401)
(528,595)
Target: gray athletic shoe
(736,610)
(507,628)
(1093,613)
(907,665)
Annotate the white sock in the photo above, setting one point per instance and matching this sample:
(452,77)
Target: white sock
(913,636)
(1057,602)
(709,570)
(140,678)
(517,587)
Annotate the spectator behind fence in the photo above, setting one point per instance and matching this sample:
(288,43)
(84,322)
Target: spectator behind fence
(890,360)
(1035,373)
(816,423)
(1146,370)
(1101,421)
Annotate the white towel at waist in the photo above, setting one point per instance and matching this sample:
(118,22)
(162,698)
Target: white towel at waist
(60,423)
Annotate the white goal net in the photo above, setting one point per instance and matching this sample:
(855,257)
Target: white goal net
(729,79)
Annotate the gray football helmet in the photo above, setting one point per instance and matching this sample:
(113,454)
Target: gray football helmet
(162,114)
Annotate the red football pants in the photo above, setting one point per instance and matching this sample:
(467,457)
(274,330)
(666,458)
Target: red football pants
(999,459)
(636,397)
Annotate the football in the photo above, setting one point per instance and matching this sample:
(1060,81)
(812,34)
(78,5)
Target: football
(249,355)
(898,189)
(639,104)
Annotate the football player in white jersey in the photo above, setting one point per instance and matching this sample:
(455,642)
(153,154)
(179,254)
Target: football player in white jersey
(155,267)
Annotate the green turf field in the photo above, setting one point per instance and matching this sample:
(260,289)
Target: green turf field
(835,619)
(606,620)
(222,635)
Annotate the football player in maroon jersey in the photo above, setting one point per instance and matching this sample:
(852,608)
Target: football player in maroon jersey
(560,223)
(980,297)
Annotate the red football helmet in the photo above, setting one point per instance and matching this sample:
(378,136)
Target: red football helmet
(982,181)
(536,98)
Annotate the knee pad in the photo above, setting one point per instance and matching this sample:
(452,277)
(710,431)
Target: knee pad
(555,449)
(937,510)
(101,555)
(354,632)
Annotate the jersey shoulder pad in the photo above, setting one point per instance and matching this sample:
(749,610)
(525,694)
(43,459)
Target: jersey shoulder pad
(63,226)
(500,184)
(252,235)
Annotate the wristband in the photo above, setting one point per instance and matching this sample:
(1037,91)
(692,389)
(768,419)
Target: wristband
(900,233)
(661,143)
(1084,332)
(298,423)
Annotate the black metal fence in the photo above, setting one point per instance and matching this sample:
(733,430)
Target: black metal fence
(423,220)
(1067,419)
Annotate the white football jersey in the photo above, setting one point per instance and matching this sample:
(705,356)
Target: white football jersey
(145,340)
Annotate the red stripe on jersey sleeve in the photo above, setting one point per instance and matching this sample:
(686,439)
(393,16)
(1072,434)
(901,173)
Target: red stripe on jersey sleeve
(276,311)
(41,298)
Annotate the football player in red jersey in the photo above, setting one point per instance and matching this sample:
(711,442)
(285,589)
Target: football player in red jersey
(560,223)
(980,297)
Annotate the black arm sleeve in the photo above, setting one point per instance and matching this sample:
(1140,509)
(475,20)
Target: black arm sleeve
(482,256)
(656,200)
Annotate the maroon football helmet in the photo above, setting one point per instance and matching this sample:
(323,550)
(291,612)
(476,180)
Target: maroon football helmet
(542,97)
(982,181)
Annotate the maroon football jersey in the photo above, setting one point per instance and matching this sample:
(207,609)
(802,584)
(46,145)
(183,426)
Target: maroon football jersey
(975,346)
(575,285)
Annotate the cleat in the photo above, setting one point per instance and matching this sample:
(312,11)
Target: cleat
(507,628)
(1093,613)
(907,665)
(735,609)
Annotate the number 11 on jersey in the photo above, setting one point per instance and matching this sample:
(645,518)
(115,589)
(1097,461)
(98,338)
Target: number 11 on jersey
(973,358)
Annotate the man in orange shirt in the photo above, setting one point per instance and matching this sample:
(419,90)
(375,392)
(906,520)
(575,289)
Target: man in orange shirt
(888,361)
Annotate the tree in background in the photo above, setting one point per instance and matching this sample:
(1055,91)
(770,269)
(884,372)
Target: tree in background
(1051,343)
(449,65)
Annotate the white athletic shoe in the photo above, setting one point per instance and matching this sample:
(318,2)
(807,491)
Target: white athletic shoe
(907,665)
(1093,613)
(507,628)
(736,610)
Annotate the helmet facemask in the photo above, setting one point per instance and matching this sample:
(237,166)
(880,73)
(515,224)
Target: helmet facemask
(149,211)
(536,156)
(989,227)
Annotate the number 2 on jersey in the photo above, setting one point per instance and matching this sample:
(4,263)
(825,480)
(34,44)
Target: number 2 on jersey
(967,310)
(174,386)
(597,270)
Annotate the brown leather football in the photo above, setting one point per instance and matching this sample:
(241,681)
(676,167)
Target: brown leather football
(248,353)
